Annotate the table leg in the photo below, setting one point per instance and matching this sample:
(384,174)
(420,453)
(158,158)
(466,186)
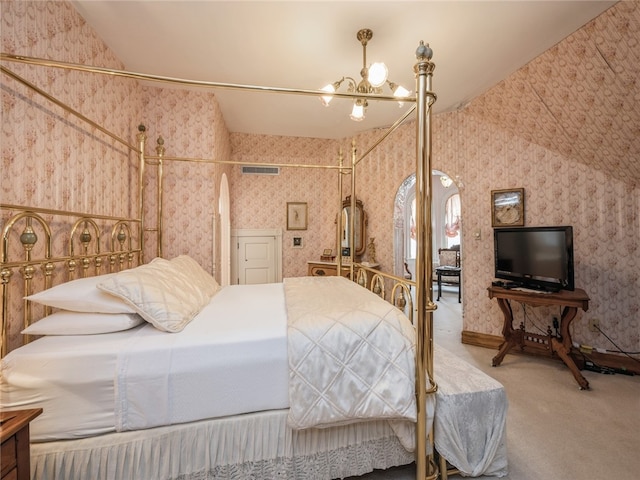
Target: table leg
(515,338)
(511,337)
(439,285)
(562,352)
(562,346)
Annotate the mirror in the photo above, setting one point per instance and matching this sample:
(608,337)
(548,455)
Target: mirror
(360,222)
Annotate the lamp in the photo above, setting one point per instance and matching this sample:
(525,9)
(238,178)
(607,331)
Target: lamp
(373,79)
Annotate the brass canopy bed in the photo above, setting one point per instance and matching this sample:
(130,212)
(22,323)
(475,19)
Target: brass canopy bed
(164,391)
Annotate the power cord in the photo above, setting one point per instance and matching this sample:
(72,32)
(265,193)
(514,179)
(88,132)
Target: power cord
(592,366)
(628,354)
(525,318)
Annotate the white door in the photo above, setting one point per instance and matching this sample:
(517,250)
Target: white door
(256,260)
(256,256)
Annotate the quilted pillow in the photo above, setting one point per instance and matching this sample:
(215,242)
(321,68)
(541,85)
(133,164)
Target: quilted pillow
(200,278)
(81,295)
(81,323)
(159,292)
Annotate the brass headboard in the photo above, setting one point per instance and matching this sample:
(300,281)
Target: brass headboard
(44,247)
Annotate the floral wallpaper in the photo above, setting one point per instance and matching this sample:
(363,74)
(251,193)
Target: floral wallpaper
(507,138)
(528,131)
(260,201)
(190,185)
(51,159)
(581,98)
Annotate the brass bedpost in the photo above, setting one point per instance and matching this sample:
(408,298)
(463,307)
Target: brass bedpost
(5,276)
(160,152)
(352,210)
(142,137)
(339,217)
(425,466)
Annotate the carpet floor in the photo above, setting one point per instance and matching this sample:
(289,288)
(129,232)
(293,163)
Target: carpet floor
(554,430)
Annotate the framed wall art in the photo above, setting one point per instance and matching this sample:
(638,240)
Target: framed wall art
(296,216)
(507,208)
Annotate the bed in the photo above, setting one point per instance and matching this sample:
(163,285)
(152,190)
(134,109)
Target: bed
(231,359)
(258,428)
(235,392)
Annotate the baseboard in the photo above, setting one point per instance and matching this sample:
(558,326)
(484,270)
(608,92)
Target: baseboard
(481,339)
(618,363)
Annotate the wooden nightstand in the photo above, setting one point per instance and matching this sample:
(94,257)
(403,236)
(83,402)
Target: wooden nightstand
(14,436)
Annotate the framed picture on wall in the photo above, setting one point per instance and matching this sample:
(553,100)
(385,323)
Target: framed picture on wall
(296,216)
(507,208)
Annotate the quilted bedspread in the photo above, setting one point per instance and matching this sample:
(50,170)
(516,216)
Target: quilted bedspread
(351,355)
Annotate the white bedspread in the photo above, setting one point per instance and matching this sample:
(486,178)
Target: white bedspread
(231,359)
(351,355)
(471,417)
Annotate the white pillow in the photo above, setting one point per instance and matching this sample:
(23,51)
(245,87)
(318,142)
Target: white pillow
(83,323)
(200,278)
(158,291)
(81,295)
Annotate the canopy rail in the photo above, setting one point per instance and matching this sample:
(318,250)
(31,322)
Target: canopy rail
(193,83)
(66,107)
(389,131)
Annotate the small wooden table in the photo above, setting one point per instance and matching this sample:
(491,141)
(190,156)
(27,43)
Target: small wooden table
(448,271)
(14,436)
(535,343)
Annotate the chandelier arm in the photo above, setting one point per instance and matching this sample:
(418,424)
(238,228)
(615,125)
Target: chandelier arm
(364,56)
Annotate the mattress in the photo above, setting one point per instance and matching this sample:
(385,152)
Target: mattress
(231,359)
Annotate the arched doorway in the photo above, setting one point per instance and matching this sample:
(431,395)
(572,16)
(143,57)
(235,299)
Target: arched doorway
(445,220)
(225,232)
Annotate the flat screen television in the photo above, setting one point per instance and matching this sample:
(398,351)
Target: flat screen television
(540,258)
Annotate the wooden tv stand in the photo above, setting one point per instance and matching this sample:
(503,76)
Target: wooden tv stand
(548,345)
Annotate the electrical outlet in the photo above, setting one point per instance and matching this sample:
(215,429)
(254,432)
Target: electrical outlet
(594,325)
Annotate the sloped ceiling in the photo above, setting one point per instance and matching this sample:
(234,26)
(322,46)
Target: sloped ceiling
(308,44)
(537,69)
(581,98)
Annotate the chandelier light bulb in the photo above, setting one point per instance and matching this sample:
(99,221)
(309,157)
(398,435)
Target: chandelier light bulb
(400,92)
(326,99)
(357,114)
(378,73)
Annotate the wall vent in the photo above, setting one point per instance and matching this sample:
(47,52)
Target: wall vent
(253,170)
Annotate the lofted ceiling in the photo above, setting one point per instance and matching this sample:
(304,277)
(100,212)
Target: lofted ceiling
(544,77)
(308,44)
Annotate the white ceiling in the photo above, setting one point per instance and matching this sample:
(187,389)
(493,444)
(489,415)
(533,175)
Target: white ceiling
(307,44)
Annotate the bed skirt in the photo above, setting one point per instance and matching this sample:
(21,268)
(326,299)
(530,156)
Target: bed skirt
(251,446)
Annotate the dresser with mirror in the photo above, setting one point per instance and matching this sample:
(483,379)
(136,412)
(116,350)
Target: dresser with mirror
(343,239)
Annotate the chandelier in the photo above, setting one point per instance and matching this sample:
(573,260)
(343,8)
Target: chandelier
(374,78)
